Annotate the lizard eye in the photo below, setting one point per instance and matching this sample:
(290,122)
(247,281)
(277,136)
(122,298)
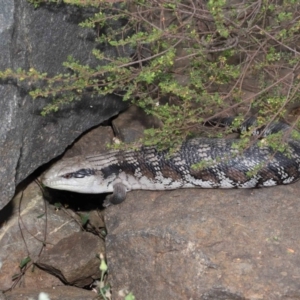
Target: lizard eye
(84,172)
(79,174)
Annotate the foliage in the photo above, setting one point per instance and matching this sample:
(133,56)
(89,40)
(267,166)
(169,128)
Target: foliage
(191,61)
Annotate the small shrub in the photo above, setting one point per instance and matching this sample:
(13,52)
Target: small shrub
(191,62)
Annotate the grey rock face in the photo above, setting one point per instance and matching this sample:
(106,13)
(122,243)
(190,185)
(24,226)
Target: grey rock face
(41,39)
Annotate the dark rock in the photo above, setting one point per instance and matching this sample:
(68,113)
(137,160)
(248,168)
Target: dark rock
(206,244)
(96,222)
(74,259)
(41,39)
(220,293)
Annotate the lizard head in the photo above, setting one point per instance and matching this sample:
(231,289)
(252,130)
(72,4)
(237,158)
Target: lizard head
(74,174)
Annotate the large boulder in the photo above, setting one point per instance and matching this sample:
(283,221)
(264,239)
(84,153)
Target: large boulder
(42,39)
(236,244)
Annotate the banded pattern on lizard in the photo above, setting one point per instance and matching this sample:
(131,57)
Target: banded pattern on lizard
(149,169)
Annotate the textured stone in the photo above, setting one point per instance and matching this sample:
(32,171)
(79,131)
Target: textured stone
(26,224)
(206,244)
(74,259)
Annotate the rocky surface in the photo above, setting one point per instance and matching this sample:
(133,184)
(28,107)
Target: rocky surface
(79,267)
(60,252)
(206,244)
(42,39)
(182,244)
(29,225)
(52,236)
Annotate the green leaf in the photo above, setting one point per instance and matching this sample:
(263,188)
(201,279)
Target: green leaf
(24,262)
(84,219)
(130,296)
